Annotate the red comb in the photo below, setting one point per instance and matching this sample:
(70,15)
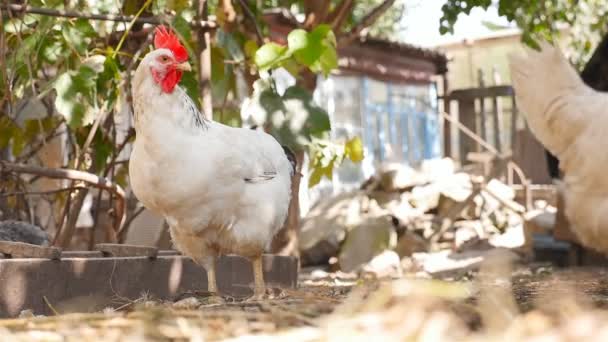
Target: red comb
(165,39)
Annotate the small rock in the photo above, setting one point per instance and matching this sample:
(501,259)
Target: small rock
(410,243)
(448,262)
(437,169)
(513,237)
(187,303)
(384,265)
(321,252)
(324,229)
(498,189)
(456,190)
(335,214)
(366,241)
(149,304)
(399,177)
(319,274)
(18,231)
(26,314)
(108,310)
(425,197)
(466,231)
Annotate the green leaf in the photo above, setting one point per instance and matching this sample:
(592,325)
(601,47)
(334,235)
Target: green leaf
(353,149)
(102,149)
(21,25)
(294,118)
(300,102)
(122,175)
(53,51)
(130,7)
(251,46)
(315,177)
(76,95)
(229,44)
(78,34)
(269,55)
(317,50)
(319,171)
(182,27)
(177,5)
(297,40)
(7,130)
(291,66)
(327,62)
(190,83)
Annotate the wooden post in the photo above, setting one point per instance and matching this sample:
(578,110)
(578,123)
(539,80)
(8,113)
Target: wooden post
(498,117)
(466,115)
(482,107)
(447,127)
(514,114)
(204,52)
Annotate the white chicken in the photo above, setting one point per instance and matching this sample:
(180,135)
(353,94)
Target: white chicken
(570,119)
(223,190)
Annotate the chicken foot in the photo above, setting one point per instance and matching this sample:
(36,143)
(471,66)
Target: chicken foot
(209,265)
(259,285)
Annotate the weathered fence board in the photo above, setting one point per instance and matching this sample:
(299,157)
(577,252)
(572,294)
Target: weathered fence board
(88,284)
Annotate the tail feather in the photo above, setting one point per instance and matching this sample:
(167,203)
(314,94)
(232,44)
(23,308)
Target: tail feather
(551,95)
(292,159)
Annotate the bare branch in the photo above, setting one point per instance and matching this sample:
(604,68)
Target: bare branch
(204,53)
(89,178)
(368,20)
(3,66)
(229,13)
(128,222)
(339,14)
(34,193)
(251,17)
(316,12)
(16,9)
(64,237)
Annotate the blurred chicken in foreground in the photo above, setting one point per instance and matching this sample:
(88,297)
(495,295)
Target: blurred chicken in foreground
(571,120)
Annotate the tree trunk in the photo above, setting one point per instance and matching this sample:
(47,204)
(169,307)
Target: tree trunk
(204,53)
(286,241)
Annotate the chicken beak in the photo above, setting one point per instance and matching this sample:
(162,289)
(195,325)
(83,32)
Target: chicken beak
(185,66)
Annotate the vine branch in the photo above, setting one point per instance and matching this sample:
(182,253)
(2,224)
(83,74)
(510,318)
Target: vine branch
(15,9)
(75,175)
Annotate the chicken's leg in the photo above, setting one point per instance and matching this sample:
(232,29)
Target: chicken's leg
(209,265)
(259,286)
(211,280)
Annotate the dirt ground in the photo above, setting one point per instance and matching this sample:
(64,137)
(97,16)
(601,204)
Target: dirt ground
(500,301)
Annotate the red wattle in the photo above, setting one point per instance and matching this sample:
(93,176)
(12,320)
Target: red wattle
(171,80)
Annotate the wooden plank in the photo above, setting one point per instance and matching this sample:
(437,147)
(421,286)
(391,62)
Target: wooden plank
(466,115)
(122,250)
(498,123)
(26,250)
(482,118)
(92,284)
(482,107)
(475,93)
(447,126)
(529,154)
(81,254)
(514,117)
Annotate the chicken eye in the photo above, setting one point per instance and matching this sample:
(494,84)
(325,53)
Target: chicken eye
(164,59)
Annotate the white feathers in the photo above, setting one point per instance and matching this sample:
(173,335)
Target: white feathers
(571,120)
(200,173)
